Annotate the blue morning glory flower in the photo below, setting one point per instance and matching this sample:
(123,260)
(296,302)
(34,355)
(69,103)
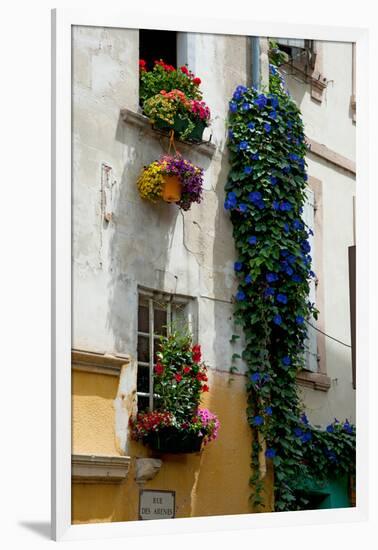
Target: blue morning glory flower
(248,169)
(243,145)
(277,319)
(286,361)
(296,278)
(276,205)
(270,453)
(273,115)
(245,106)
(307,436)
(271,277)
(286,169)
(298,432)
(293,157)
(240,295)
(286,227)
(260,204)
(248,279)
(347,427)
(282,298)
(257,420)
(330,429)
(255,156)
(285,206)
(267,127)
(233,107)
(255,196)
(268,411)
(238,266)
(242,207)
(269,292)
(297,224)
(252,239)
(261,101)
(273,180)
(274,101)
(251,125)
(289,270)
(304,418)
(230,201)
(299,320)
(255,377)
(305,246)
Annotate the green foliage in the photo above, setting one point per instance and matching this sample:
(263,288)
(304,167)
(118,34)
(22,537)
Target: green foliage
(266,191)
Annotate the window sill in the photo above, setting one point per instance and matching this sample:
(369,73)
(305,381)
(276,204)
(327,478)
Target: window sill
(99,469)
(314,380)
(98,363)
(142,123)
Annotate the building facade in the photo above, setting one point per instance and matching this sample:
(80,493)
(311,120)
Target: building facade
(137,265)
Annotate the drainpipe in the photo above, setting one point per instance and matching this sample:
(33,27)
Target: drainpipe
(255,61)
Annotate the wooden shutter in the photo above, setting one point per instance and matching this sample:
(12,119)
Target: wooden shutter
(352,302)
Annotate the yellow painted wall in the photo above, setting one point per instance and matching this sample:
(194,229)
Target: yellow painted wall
(212,482)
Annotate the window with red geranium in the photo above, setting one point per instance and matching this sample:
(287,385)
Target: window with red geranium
(156,312)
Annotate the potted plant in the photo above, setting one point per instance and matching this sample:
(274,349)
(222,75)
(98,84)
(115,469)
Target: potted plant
(173,179)
(172,100)
(177,424)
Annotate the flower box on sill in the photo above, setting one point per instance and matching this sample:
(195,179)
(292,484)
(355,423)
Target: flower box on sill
(172,440)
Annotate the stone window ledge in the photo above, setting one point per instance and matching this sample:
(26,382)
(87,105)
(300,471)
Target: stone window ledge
(142,123)
(98,363)
(99,469)
(314,380)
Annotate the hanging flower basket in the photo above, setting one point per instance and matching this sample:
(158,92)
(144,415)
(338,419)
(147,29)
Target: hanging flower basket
(172,179)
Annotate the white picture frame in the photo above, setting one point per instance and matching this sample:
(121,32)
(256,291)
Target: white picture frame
(62,22)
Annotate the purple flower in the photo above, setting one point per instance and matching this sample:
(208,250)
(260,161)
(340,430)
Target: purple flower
(304,418)
(251,125)
(267,127)
(276,205)
(273,115)
(255,377)
(286,361)
(243,145)
(268,411)
(277,319)
(282,298)
(242,208)
(296,278)
(297,224)
(248,279)
(299,320)
(285,206)
(254,196)
(233,107)
(307,436)
(238,266)
(269,292)
(248,169)
(230,201)
(252,239)
(330,429)
(245,106)
(298,432)
(261,101)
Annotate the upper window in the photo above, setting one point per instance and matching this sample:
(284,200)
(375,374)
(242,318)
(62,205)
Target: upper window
(156,313)
(156,45)
(300,53)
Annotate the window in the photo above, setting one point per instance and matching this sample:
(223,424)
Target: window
(155,45)
(311,341)
(156,313)
(300,52)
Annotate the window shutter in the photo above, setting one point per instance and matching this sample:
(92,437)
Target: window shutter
(352,302)
(311,347)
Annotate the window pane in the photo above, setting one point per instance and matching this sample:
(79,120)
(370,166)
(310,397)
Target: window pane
(160,321)
(143,321)
(143,403)
(143,380)
(143,349)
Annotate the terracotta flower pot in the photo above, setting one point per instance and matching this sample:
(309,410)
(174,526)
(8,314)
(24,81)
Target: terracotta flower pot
(171,189)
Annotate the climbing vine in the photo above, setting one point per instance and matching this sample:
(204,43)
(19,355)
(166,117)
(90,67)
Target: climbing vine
(265,195)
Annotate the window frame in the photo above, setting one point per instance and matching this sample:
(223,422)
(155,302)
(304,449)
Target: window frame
(171,299)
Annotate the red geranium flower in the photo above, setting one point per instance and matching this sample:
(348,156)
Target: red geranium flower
(197,81)
(142,65)
(205,388)
(186,369)
(196,353)
(159,369)
(184,69)
(178,377)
